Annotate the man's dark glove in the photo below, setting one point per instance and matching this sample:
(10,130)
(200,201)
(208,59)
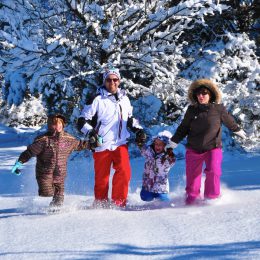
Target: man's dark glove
(140,137)
(94,139)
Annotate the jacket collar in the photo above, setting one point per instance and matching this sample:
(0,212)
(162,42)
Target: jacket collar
(104,93)
(55,135)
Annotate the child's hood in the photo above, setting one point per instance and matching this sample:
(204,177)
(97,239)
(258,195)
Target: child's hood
(164,136)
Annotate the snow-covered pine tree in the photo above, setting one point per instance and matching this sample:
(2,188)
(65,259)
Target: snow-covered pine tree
(57,50)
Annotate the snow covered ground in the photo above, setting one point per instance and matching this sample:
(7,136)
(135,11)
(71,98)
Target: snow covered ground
(228,228)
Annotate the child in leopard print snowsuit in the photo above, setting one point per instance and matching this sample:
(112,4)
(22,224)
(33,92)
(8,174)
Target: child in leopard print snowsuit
(51,150)
(158,163)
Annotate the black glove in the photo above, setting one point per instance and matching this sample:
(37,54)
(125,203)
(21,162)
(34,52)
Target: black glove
(94,139)
(170,153)
(140,137)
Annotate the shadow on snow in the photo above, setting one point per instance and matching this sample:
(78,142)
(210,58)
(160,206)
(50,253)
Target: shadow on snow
(219,251)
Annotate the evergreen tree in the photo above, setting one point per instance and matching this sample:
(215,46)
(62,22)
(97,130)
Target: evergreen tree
(55,52)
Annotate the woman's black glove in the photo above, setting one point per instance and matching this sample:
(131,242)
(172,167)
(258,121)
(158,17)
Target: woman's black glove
(170,153)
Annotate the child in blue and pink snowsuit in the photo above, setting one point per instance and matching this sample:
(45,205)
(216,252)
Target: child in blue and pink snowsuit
(158,163)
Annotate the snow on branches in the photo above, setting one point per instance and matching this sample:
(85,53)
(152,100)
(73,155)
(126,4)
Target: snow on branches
(56,51)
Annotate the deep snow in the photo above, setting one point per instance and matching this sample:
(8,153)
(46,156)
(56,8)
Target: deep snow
(227,228)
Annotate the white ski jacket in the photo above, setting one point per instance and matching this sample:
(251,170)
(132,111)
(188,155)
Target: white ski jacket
(113,114)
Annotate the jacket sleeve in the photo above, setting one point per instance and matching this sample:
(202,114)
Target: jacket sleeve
(132,123)
(79,145)
(184,128)
(32,150)
(228,120)
(87,117)
(145,151)
(168,162)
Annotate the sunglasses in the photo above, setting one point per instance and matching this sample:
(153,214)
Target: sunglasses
(203,92)
(110,80)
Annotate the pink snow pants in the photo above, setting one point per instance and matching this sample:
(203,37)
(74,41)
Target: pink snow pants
(194,164)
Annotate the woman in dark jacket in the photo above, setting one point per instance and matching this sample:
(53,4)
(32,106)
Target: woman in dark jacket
(202,126)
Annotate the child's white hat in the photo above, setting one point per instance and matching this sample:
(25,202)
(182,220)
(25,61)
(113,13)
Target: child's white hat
(164,136)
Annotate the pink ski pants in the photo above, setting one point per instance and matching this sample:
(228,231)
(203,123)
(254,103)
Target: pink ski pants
(194,164)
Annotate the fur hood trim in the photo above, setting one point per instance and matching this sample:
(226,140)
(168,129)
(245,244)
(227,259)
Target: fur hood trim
(207,83)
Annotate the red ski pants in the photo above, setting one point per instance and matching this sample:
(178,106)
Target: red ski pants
(103,161)
(194,164)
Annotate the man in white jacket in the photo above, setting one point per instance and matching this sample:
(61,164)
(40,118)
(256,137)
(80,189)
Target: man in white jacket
(105,122)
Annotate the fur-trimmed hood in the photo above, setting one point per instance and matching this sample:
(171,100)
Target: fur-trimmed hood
(207,83)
